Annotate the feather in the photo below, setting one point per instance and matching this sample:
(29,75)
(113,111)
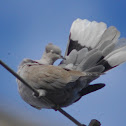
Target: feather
(84,33)
(81,54)
(99,68)
(72,57)
(91,88)
(90,61)
(117,58)
(111,34)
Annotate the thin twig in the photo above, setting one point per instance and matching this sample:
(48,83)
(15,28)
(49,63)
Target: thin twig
(70,117)
(18,77)
(37,93)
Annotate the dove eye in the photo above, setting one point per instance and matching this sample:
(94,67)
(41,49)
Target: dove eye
(52,51)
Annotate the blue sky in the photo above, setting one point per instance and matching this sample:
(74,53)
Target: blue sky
(26,26)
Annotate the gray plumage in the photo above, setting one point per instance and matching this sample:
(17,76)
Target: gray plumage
(92,49)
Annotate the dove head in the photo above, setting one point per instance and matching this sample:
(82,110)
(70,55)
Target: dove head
(51,54)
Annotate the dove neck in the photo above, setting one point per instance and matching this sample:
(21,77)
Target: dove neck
(46,59)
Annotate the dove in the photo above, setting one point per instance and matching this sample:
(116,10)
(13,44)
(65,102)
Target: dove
(92,50)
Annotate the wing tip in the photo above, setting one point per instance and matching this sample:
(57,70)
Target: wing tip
(91,88)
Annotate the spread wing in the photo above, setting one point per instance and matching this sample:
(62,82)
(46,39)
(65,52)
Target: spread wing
(92,46)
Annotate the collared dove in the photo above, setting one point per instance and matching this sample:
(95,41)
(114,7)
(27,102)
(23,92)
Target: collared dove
(92,50)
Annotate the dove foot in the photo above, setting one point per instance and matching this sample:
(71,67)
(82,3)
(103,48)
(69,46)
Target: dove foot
(41,93)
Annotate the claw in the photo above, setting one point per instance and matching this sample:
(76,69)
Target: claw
(56,107)
(41,93)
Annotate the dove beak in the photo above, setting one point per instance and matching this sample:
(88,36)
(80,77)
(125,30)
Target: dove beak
(62,57)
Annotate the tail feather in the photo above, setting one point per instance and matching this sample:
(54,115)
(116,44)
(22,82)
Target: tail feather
(117,58)
(95,45)
(72,57)
(81,55)
(121,43)
(116,51)
(108,49)
(98,68)
(111,34)
(90,61)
